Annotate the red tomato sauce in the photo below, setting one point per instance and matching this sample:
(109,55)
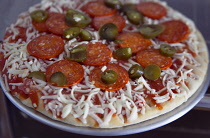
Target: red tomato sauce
(21,35)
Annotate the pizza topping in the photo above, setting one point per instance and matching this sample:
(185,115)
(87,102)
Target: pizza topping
(56,23)
(152,72)
(16,33)
(167,50)
(116,19)
(77,19)
(85,35)
(58,79)
(135,71)
(98,8)
(108,31)
(122,77)
(114,4)
(34,99)
(71,32)
(97,54)
(2,59)
(133,40)
(128,7)
(152,10)
(134,17)
(40,26)
(175,31)
(109,77)
(153,56)
(123,53)
(151,31)
(73,71)
(38,75)
(78,53)
(39,16)
(46,46)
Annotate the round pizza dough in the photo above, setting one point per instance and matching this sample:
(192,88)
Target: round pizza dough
(129,106)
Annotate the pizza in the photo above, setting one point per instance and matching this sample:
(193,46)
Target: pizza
(103,64)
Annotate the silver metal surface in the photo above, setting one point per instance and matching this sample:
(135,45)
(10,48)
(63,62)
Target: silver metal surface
(11,13)
(204,103)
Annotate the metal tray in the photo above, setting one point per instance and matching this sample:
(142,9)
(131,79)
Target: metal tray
(11,10)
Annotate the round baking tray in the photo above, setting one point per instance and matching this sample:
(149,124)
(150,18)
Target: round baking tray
(132,129)
(21,5)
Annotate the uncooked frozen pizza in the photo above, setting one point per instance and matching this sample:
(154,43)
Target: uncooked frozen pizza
(103,64)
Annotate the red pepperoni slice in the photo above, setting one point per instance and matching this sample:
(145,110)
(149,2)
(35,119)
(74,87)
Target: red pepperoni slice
(122,79)
(116,19)
(73,71)
(98,8)
(133,40)
(56,23)
(46,46)
(40,26)
(175,31)
(153,56)
(97,54)
(152,10)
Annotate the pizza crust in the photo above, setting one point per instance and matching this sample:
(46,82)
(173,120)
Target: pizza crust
(151,112)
